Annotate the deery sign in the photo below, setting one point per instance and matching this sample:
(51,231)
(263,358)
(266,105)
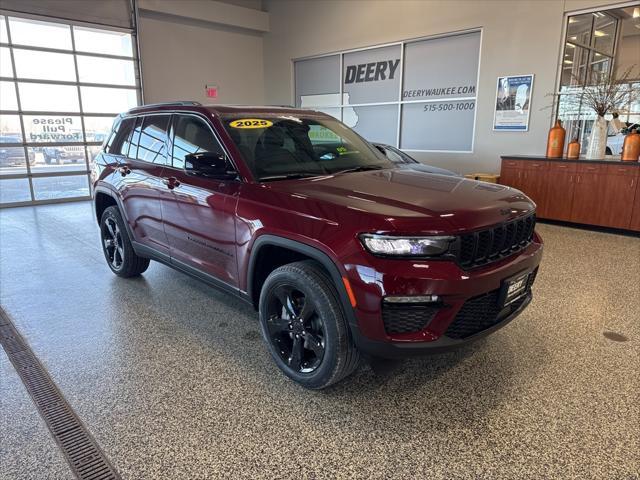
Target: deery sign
(371,72)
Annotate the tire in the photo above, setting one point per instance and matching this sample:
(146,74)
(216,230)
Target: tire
(300,310)
(116,246)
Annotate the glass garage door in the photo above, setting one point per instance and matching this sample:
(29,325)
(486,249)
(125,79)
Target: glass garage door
(61,85)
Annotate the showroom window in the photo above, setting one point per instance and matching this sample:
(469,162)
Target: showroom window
(597,45)
(419,95)
(61,85)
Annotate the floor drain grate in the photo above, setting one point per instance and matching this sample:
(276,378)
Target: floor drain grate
(85,457)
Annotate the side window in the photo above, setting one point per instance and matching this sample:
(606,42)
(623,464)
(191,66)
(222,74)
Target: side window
(151,138)
(131,143)
(112,134)
(192,135)
(119,144)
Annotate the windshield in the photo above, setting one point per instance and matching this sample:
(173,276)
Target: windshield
(286,146)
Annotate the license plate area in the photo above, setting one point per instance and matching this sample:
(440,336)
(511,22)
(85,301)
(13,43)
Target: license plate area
(513,288)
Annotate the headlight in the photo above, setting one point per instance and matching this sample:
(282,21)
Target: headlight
(406,246)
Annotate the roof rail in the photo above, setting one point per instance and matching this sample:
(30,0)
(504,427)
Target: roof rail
(166,104)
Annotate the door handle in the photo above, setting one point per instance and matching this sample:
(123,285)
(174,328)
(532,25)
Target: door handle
(171,182)
(124,171)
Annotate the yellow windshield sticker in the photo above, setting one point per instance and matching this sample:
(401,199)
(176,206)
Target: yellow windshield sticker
(250,123)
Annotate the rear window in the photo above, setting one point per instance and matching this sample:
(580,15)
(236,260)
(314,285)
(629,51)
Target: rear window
(274,146)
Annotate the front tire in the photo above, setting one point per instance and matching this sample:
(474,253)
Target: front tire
(116,246)
(304,327)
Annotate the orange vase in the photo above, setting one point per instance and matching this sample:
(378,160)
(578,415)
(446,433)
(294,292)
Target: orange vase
(573,149)
(555,142)
(631,147)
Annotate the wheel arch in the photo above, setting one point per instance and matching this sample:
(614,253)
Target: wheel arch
(104,197)
(301,251)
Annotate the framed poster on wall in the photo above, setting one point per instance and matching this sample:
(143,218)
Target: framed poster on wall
(513,102)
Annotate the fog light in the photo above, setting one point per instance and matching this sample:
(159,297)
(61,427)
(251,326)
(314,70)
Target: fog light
(412,299)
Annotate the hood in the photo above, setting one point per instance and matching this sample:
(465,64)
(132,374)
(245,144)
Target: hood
(414,201)
(420,167)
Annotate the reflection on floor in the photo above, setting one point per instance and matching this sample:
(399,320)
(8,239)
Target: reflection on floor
(172,379)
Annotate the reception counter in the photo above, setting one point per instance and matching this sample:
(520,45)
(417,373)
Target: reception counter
(593,192)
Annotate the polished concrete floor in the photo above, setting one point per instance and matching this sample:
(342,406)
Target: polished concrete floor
(173,380)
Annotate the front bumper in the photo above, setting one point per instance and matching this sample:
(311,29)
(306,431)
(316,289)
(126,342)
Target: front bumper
(394,350)
(455,288)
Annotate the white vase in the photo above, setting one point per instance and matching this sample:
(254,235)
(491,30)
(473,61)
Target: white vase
(597,140)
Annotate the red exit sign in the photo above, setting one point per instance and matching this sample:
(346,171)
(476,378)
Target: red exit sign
(211,91)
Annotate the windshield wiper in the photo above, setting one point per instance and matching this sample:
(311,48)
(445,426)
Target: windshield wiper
(289,176)
(361,168)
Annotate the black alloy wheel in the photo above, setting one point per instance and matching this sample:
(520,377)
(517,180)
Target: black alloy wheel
(295,328)
(304,325)
(116,245)
(113,245)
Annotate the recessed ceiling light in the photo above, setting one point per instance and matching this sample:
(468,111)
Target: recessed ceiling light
(574,38)
(568,62)
(573,20)
(570,45)
(600,33)
(636,12)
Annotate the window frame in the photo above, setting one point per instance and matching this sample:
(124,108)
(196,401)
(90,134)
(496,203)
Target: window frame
(579,125)
(87,146)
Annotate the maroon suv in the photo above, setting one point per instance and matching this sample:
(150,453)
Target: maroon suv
(342,253)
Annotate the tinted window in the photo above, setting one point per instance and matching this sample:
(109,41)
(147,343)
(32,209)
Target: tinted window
(151,137)
(134,139)
(192,135)
(119,145)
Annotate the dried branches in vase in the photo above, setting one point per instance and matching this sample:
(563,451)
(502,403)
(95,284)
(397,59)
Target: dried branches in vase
(603,97)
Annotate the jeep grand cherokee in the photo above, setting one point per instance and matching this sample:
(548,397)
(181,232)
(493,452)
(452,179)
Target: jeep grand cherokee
(342,253)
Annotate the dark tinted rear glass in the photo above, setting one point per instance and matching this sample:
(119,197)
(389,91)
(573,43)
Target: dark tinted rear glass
(120,145)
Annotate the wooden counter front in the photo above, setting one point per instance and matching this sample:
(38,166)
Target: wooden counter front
(593,192)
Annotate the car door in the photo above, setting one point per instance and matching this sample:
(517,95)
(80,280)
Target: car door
(143,158)
(199,216)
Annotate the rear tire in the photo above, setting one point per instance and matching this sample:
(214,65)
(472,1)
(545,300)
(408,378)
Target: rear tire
(116,245)
(304,326)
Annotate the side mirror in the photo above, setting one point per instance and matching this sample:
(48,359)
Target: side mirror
(208,164)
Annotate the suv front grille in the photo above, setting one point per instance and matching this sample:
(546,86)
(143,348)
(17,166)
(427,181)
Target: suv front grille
(485,246)
(405,318)
(482,312)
